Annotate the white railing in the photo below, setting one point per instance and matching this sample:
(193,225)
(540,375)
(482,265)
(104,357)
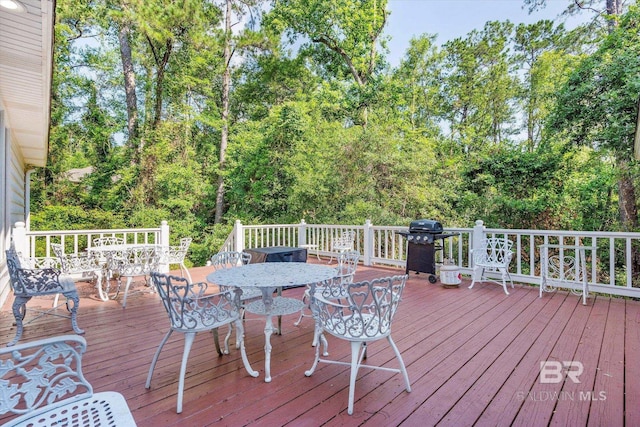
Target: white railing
(38,243)
(612,268)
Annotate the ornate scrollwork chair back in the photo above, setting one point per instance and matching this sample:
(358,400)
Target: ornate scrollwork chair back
(177,255)
(333,288)
(233,259)
(81,266)
(342,243)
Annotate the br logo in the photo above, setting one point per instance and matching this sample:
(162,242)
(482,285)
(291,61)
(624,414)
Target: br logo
(554,372)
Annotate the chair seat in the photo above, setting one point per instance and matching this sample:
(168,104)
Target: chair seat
(103,409)
(68,284)
(281,306)
(205,320)
(366,327)
(490,264)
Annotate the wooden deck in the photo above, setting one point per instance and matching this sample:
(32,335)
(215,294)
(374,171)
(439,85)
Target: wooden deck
(473,357)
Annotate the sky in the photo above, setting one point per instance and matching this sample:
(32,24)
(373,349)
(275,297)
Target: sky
(456,18)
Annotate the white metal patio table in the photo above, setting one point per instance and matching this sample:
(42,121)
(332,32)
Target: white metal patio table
(103,252)
(269,277)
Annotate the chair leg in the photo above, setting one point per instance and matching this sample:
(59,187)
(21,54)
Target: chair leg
(19,309)
(188,342)
(155,358)
(75,302)
(100,276)
(355,364)
(505,273)
(403,369)
(216,341)
(311,370)
(186,271)
(227,338)
(305,297)
(126,291)
(243,351)
(474,275)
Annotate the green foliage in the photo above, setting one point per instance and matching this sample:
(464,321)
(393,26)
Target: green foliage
(74,218)
(455,133)
(604,89)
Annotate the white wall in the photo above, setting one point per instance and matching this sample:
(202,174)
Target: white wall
(12,209)
(5,226)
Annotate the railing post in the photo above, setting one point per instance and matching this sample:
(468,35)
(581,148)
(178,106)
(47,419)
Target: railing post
(20,241)
(164,242)
(302,233)
(239,237)
(478,236)
(367,242)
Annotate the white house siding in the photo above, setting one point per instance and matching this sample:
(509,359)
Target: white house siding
(5,227)
(12,187)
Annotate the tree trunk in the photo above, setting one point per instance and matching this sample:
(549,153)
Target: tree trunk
(129,83)
(627,197)
(224,133)
(162,65)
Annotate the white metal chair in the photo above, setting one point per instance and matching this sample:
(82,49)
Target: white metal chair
(108,241)
(342,243)
(347,266)
(130,262)
(81,266)
(177,254)
(364,316)
(192,310)
(27,283)
(493,255)
(232,259)
(43,384)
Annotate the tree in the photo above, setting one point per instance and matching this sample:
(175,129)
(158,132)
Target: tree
(477,87)
(598,106)
(124,29)
(543,67)
(343,36)
(230,44)
(418,80)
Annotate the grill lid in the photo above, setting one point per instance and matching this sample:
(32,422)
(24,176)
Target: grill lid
(425,226)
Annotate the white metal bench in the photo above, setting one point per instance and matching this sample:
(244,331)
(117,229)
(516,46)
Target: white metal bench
(28,282)
(42,382)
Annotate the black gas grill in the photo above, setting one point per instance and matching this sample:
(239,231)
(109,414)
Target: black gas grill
(424,238)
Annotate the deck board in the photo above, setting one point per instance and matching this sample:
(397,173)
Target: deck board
(540,403)
(610,411)
(571,410)
(487,384)
(473,357)
(632,368)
